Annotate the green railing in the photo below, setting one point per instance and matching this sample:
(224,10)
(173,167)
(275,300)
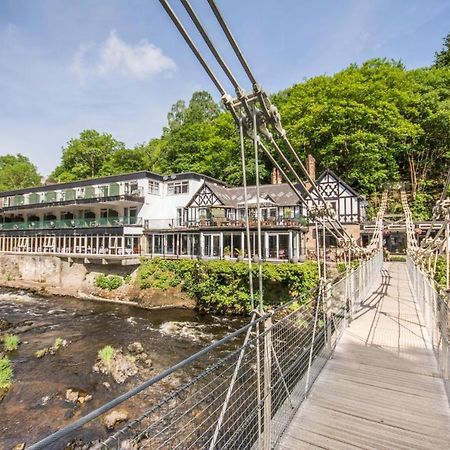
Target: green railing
(90,192)
(70,223)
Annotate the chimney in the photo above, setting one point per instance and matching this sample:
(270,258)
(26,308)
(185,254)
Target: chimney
(276,176)
(311,166)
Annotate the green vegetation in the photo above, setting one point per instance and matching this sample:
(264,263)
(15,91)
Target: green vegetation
(41,353)
(11,342)
(106,355)
(442,58)
(398,258)
(57,344)
(16,171)
(6,373)
(109,282)
(222,286)
(341,267)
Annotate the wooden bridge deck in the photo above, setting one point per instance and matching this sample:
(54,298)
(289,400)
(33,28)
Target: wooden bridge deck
(381,389)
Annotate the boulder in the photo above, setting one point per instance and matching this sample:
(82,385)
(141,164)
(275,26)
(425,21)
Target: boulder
(120,367)
(114,417)
(4,324)
(136,348)
(77,396)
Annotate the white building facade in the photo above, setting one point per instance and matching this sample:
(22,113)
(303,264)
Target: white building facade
(184,215)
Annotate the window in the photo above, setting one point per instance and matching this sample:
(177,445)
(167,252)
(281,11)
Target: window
(178,187)
(153,187)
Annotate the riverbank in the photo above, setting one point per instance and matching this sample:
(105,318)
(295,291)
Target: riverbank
(48,275)
(212,286)
(40,385)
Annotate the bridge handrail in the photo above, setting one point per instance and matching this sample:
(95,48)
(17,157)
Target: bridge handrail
(434,307)
(246,387)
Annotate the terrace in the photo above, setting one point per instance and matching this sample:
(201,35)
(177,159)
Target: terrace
(70,223)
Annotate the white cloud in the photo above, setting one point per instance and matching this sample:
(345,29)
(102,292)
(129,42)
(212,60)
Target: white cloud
(115,56)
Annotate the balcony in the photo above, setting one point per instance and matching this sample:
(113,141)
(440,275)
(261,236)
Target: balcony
(66,198)
(178,224)
(70,223)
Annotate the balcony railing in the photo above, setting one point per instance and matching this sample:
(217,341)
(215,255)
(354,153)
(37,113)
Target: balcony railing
(70,223)
(223,222)
(64,199)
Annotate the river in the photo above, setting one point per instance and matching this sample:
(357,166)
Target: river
(36,405)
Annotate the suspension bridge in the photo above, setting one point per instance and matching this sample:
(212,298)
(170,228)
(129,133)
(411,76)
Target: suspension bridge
(361,361)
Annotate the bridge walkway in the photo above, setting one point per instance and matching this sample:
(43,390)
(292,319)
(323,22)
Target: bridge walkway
(381,389)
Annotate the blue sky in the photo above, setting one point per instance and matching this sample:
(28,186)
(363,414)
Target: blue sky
(118,65)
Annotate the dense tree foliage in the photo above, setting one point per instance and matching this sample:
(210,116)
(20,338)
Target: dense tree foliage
(16,171)
(86,156)
(442,58)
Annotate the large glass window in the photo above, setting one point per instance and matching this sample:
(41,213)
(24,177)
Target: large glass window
(178,187)
(158,244)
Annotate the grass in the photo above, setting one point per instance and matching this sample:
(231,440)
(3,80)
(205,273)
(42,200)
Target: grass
(6,373)
(11,342)
(59,342)
(41,353)
(106,354)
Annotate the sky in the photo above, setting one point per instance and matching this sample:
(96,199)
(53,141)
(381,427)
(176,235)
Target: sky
(117,66)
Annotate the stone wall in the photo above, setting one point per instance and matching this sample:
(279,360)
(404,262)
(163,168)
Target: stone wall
(74,277)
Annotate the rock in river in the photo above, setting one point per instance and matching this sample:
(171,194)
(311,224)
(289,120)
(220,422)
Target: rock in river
(111,419)
(136,348)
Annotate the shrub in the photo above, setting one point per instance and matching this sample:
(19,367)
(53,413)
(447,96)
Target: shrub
(127,279)
(11,342)
(6,373)
(223,286)
(110,282)
(106,354)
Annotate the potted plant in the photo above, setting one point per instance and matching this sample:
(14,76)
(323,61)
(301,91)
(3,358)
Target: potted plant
(227,252)
(240,254)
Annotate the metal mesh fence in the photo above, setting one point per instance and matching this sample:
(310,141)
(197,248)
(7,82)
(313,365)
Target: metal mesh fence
(433,305)
(242,393)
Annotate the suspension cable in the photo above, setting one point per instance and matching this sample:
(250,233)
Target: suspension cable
(232,41)
(210,45)
(247,221)
(192,46)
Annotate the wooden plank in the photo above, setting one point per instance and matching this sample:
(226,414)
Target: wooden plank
(381,390)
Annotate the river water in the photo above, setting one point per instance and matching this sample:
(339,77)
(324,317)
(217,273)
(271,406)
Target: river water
(36,405)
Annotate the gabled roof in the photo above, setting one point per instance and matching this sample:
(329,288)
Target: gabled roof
(338,179)
(279,194)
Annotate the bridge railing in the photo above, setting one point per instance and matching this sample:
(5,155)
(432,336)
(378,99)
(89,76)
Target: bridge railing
(242,391)
(434,307)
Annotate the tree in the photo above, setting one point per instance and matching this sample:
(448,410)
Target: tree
(87,156)
(16,172)
(442,58)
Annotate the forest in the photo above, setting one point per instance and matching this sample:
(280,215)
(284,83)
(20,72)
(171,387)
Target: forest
(372,123)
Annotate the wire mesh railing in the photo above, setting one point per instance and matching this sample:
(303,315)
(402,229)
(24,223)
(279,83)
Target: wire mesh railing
(433,304)
(242,391)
